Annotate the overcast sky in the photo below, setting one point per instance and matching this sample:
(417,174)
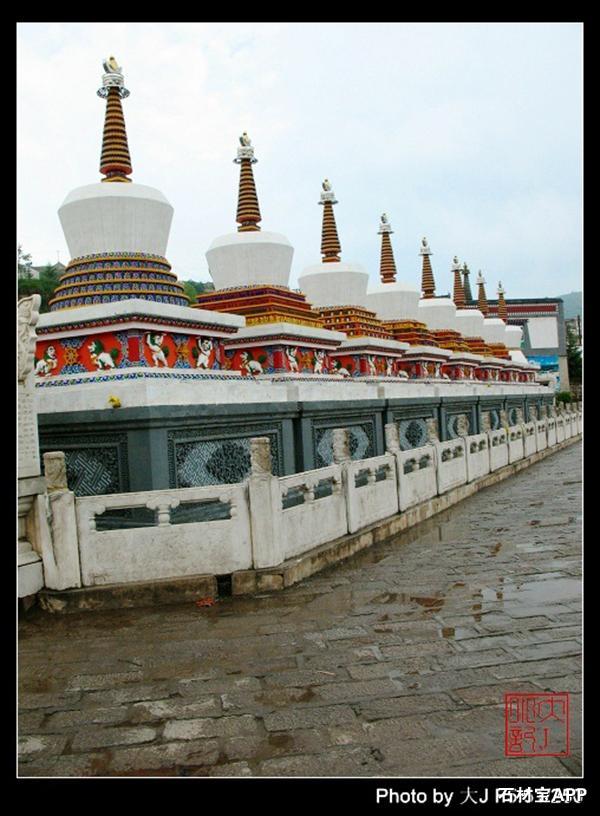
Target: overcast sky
(467,134)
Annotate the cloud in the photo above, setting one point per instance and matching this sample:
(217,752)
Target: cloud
(469,134)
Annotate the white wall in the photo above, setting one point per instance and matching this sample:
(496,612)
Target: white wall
(543,332)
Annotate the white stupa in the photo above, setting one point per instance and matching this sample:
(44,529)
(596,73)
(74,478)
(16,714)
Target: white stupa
(249,257)
(116,231)
(512,334)
(494,328)
(332,282)
(437,313)
(391,299)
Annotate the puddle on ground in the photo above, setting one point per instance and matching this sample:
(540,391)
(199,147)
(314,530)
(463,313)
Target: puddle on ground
(532,592)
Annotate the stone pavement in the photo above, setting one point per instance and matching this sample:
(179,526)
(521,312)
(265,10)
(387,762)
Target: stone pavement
(392,664)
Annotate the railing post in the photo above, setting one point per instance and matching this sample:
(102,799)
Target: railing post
(342,457)
(392,438)
(265,506)
(60,545)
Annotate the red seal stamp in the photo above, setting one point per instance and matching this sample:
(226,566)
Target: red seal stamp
(536,724)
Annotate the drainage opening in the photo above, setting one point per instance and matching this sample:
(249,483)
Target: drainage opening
(224,586)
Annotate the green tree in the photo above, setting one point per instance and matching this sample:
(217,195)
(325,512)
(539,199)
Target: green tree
(44,285)
(194,288)
(573,357)
(190,290)
(23,263)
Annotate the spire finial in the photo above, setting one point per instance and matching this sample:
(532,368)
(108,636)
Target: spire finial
(458,295)
(502,310)
(330,243)
(467,283)
(387,266)
(427,281)
(115,161)
(482,303)
(248,211)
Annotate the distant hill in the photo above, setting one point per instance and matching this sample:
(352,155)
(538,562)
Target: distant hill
(572,304)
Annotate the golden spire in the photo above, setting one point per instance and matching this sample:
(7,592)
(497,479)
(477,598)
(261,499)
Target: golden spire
(330,243)
(482,303)
(115,162)
(248,212)
(502,310)
(387,266)
(459,292)
(427,281)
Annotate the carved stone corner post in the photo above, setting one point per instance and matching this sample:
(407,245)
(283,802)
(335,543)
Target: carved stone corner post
(486,422)
(31,484)
(265,506)
(341,446)
(55,470)
(433,434)
(59,539)
(503,419)
(462,425)
(392,438)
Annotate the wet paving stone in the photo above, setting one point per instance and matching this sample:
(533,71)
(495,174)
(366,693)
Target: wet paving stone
(394,662)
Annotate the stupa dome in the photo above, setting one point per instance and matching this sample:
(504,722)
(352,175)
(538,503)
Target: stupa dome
(469,322)
(250,258)
(438,313)
(393,301)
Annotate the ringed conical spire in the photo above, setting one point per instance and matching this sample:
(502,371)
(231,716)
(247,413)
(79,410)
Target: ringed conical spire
(330,243)
(115,161)
(427,281)
(458,295)
(482,303)
(467,284)
(387,267)
(502,310)
(248,211)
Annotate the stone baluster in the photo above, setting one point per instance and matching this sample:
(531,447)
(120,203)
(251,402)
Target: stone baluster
(392,438)
(341,446)
(265,506)
(60,549)
(30,482)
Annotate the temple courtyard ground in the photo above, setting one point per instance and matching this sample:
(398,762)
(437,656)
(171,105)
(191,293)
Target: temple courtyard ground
(393,663)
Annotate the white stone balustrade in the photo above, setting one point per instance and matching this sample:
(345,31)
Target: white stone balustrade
(164,549)
(568,419)
(371,490)
(417,481)
(265,520)
(541,434)
(515,443)
(478,456)
(551,429)
(560,428)
(498,443)
(451,464)
(318,518)
(529,438)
